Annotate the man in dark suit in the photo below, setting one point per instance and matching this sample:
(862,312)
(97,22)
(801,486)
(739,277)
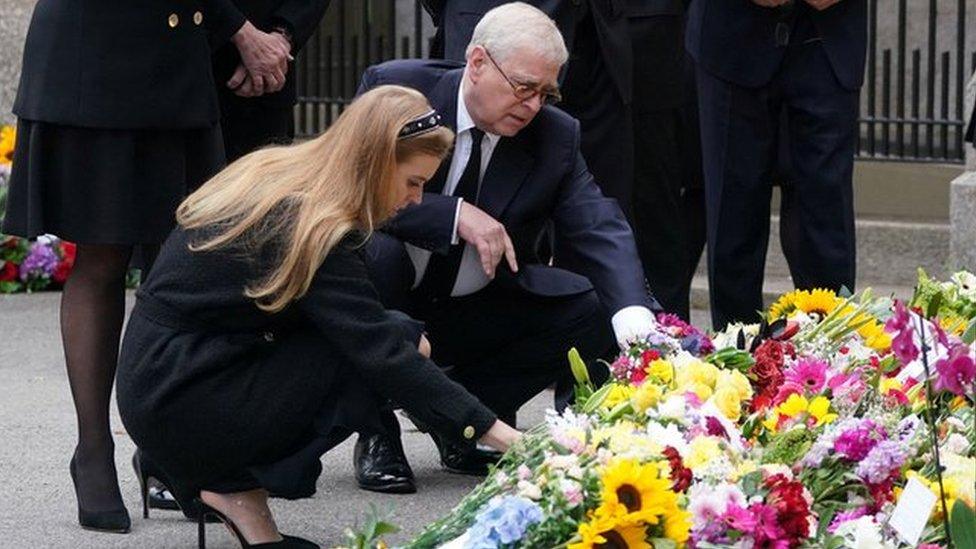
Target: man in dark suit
(669,208)
(596,85)
(496,313)
(252,117)
(757,59)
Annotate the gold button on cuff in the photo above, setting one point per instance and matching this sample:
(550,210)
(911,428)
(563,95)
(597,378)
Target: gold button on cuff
(197,18)
(469,432)
(173,20)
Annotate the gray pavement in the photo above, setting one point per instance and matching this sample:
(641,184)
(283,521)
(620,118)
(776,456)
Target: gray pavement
(37,437)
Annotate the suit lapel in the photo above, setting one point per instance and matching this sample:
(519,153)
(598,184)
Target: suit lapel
(509,166)
(443,98)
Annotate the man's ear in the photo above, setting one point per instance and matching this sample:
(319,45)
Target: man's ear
(476,63)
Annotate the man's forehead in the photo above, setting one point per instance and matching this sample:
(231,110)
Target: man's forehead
(531,67)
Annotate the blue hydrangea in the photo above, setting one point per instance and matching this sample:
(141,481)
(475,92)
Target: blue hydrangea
(502,522)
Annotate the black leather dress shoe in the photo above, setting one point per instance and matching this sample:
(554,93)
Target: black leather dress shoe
(381,465)
(464,461)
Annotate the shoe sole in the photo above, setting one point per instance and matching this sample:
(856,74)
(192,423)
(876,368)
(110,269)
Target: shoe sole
(106,530)
(401,488)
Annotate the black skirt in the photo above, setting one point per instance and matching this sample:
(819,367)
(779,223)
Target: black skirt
(105,186)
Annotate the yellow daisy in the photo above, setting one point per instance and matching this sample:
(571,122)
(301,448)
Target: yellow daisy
(607,532)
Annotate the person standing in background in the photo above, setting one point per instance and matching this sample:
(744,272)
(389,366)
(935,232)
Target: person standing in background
(251,118)
(758,61)
(117,121)
(669,220)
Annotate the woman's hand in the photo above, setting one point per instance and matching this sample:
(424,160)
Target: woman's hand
(501,436)
(265,56)
(424,346)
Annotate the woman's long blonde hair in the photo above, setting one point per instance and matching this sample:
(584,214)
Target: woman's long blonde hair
(302,199)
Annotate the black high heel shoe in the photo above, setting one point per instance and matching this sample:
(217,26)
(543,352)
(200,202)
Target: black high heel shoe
(115,521)
(287,542)
(183,499)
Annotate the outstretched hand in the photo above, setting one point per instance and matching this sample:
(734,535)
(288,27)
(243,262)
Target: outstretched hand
(488,236)
(501,436)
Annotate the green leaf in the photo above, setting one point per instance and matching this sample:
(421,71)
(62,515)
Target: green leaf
(962,524)
(933,309)
(597,398)
(969,336)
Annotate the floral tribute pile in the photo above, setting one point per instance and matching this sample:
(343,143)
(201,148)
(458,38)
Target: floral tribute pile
(801,431)
(25,265)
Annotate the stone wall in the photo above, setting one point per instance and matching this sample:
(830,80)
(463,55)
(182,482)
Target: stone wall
(962,204)
(14,17)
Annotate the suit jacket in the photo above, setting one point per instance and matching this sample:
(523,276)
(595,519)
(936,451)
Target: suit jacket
(736,39)
(300,17)
(535,178)
(657,37)
(459,17)
(123,63)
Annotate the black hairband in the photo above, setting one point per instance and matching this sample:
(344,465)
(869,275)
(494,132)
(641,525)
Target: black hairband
(423,124)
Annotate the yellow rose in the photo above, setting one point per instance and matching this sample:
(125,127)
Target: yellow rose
(727,400)
(646,396)
(618,393)
(701,451)
(696,371)
(661,369)
(739,382)
(703,391)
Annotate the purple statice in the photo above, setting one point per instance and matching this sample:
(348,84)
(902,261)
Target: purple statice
(884,458)
(846,516)
(41,262)
(502,522)
(692,339)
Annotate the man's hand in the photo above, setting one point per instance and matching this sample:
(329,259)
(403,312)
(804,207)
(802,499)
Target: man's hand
(771,3)
(501,436)
(488,236)
(821,5)
(265,56)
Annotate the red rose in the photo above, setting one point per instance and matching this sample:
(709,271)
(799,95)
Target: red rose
(767,372)
(68,251)
(8,272)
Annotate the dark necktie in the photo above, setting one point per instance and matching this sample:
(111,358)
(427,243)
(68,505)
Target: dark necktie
(442,270)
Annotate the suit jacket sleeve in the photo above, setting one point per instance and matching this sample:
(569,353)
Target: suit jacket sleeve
(301,17)
(223,20)
(343,305)
(594,239)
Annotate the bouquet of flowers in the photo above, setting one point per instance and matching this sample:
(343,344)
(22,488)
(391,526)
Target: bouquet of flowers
(801,431)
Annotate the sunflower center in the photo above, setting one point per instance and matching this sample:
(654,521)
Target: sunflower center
(629,497)
(614,541)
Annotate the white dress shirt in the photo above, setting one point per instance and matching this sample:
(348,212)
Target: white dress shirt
(628,323)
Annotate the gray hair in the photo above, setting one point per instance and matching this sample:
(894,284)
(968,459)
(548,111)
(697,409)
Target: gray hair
(517,25)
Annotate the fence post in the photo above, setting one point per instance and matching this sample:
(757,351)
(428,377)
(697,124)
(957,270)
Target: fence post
(962,203)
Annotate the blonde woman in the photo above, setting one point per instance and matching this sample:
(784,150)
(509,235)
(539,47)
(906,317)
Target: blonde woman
(258,342)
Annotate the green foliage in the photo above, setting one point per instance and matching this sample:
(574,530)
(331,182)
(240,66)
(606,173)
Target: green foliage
(370,535)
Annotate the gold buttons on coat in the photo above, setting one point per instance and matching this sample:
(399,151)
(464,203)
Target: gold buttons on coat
(469,432)
(197,18)
(173,20)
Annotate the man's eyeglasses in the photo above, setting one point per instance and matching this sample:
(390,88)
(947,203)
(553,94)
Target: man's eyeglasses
(524,92)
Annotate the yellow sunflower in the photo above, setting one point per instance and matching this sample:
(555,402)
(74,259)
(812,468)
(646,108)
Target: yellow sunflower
(606,532)
(874,336)
(634,490)
(8,138)
(819,301)
(785,305)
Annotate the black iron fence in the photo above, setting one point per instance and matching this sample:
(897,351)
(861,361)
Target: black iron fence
(919,61)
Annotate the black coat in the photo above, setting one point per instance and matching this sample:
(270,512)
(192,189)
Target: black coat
(736,40)
(657,37)
(300,17)
(535,178)
(459,17)
(123,63)
(200,361)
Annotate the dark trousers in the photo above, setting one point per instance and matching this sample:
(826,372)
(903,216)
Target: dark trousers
(669,206)
(502,344)
(590,95)
(739,131)
(250,127)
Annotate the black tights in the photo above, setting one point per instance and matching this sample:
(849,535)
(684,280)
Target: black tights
(92,311)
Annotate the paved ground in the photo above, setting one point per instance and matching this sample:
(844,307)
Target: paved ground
(37,436)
